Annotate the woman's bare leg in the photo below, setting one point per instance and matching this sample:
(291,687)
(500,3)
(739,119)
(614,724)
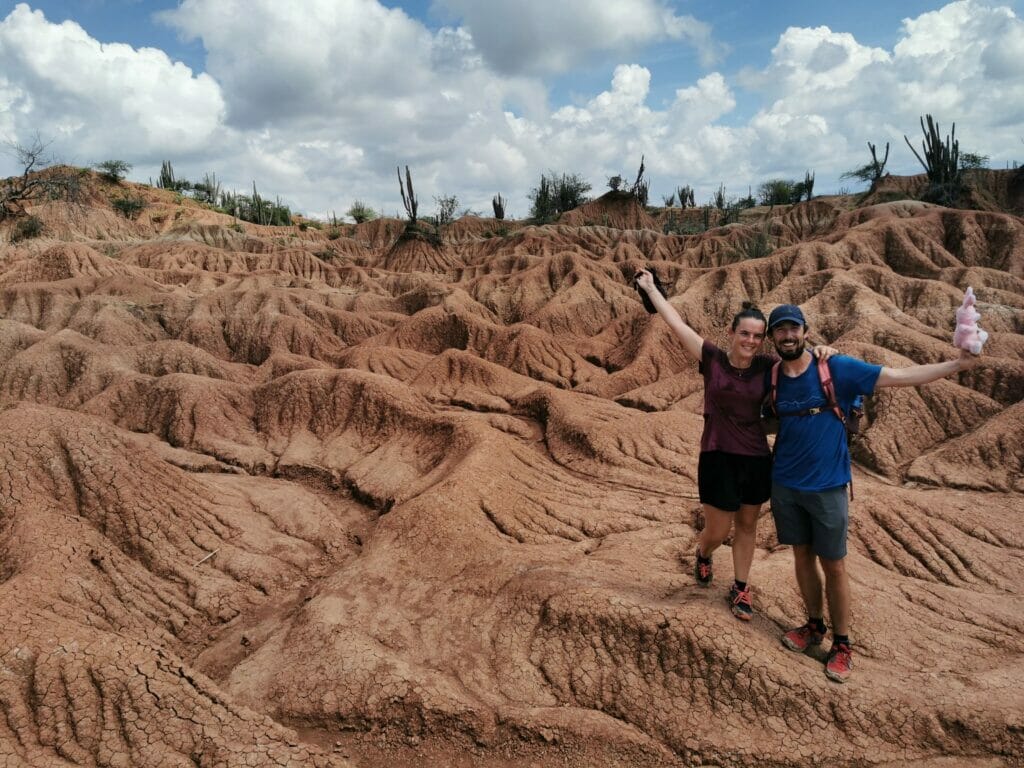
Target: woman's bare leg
(717,524)
(744,540)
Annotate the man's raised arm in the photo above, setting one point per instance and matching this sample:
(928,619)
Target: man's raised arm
(916,375)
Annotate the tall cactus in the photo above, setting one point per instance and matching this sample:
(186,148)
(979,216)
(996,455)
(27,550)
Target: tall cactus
(641,188)
(498,204)
(212,187)
(167,180)
(257,204)
(877,168)
(941,161)
(409,201)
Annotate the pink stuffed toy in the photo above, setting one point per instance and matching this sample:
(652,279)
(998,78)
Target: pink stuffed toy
(967,334)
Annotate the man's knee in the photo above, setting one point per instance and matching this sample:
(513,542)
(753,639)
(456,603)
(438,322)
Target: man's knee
(803,552)
(833,568)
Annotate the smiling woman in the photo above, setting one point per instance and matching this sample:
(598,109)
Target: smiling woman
(734,470)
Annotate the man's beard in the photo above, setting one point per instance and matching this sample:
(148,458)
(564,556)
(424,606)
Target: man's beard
(792,354)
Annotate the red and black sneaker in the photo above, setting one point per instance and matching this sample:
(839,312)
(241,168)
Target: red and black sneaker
(839,662)
(739,600)
(702,571)
(802,638)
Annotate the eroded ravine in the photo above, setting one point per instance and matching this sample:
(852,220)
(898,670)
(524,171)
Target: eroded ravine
(268,498)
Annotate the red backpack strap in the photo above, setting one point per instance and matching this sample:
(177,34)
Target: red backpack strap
(829,388)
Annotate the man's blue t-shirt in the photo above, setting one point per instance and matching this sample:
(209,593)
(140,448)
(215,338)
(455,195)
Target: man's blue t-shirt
(811,453)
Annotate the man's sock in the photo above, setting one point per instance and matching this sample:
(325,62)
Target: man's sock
(841,639)
(817,623)
(741,586)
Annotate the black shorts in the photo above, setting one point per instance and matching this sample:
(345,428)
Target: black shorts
(727,480)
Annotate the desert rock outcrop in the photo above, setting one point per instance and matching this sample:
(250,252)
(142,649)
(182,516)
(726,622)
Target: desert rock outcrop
(269,498)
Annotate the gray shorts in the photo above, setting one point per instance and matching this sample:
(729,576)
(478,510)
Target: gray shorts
(818,518)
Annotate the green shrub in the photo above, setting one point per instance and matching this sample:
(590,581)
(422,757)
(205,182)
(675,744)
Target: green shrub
(361,212)
(731,214)
(27,228)
(425,230)
(872,171)
(113,170)
(333,233)
(748,201)
(970,161)
(681,226)
(500,231)
(255,209)
(758,243)
(446,205)
(557,194)
(776,192)
(60,183)
(128,206)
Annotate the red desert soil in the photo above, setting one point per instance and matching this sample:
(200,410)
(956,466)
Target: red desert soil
(269,498)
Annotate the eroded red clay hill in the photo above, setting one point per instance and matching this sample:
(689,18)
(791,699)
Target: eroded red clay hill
(269,498)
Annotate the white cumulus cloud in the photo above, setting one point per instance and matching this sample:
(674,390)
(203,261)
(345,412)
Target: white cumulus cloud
(319,107)
(56,79)
(829,95)
(540,36)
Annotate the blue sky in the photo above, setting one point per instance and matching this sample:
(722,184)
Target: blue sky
(319,100)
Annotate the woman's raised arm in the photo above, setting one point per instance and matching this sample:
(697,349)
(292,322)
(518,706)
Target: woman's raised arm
(692,341)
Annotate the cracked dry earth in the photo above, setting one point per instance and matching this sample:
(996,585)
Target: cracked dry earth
(272,499)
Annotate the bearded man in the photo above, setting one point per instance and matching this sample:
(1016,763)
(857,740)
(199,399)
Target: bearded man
(812,469)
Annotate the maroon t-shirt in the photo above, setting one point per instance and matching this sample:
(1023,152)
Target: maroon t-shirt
(732,403)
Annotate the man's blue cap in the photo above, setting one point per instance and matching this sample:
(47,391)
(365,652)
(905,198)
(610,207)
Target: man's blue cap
(786,313)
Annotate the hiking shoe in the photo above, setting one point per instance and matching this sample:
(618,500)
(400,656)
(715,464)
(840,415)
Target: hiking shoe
(802,638)
(839,662)
(702,570)
(739,600)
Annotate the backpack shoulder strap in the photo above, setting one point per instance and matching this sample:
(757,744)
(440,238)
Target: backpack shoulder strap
(829,388)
